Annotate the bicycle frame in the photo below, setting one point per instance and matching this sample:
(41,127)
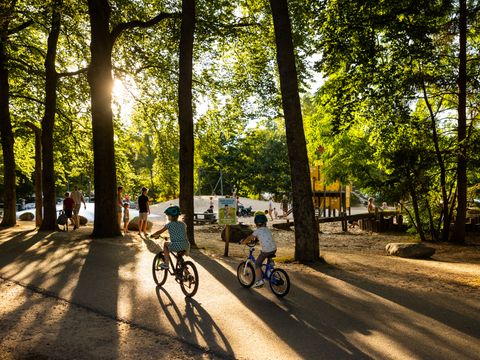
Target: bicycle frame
(173,268)
(268,266)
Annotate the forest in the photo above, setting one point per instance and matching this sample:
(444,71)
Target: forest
(174,94)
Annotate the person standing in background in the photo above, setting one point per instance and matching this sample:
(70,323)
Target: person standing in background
(126,217)
(68,205)
(143,211)
(119,206)
(270,209)
(77,196)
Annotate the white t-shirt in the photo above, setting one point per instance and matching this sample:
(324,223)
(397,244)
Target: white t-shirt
(266,239)
(77,196)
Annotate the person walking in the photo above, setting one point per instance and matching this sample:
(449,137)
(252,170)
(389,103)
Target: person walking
(77,196)
(143,211)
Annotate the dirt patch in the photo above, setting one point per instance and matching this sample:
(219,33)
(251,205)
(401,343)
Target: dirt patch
(453,268)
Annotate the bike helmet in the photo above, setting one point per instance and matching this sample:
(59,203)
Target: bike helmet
(173,210)
(260,218)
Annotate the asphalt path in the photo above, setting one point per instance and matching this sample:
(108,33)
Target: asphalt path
(325,315)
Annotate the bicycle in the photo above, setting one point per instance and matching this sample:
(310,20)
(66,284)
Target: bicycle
(277,278)
(184,271)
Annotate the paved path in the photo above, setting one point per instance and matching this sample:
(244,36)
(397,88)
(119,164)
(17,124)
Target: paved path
(326,315)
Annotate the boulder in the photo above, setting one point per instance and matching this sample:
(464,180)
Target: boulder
(26,216)
(410,250)
(83,220)
(237,232)
(133,224)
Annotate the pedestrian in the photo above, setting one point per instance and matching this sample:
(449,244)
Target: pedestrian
(119,206)
(211,201)
(270,209)
(68,205)
(371,205)
(275,213)
(126,216)
(284,206)
(77,196)
(143,211)
(178,234)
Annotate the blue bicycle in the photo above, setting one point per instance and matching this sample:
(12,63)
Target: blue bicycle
(277,278)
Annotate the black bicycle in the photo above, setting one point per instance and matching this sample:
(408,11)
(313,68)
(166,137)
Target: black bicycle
(184,271)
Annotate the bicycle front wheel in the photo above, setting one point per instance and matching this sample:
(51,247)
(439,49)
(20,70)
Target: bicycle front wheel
(279,282)
(189,279)
(159,274)
(246,274)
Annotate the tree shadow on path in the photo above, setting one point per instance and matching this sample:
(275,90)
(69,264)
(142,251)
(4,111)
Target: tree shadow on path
(304,332)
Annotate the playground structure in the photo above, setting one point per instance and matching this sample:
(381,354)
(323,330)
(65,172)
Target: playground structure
(329,199)
(332,203)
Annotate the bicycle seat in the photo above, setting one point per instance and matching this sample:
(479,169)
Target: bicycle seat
(181,253)
(271,256)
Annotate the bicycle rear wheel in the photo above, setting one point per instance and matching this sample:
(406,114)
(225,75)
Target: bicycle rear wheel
(279,282)
(189,279)
(159,274)
(245,274)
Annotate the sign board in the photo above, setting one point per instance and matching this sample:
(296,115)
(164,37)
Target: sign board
(227,211)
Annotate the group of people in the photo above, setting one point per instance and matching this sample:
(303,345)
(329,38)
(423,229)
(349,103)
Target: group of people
(123,205)
(177,231)
(71,207)
(176,228)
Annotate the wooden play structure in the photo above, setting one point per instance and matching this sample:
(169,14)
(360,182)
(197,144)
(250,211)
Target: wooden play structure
(329,199)
(332,203)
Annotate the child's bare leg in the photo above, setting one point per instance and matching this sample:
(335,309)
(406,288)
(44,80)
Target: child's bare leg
(258,272)
(166,251)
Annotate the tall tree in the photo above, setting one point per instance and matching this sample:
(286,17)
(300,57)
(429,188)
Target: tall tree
(185,114)
(6,132)
(48,121)
(459,228)
(100,79)
(306,234)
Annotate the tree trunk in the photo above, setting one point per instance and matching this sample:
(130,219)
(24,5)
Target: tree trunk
(38,173)
(459,228)
(48,122)
(306,234)
(441,165)
(416,210)
(185,115)
(100,81)
(6,133)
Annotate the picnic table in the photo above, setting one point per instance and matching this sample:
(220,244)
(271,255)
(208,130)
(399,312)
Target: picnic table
(204,218)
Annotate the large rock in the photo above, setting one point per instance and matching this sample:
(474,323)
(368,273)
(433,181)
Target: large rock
(133,224)
(83,220)
(237,232)
(410,250)
(26,216)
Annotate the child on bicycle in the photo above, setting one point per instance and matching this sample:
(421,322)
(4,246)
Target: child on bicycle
(264,236)
(177,231)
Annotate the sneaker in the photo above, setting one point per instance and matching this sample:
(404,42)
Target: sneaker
(258,284)
(164,266)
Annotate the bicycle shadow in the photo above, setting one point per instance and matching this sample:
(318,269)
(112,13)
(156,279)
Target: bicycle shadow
(294,323)
(194,325)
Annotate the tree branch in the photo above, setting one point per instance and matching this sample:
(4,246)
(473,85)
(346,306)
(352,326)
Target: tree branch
(118,29)
(72,73)
(20,27)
